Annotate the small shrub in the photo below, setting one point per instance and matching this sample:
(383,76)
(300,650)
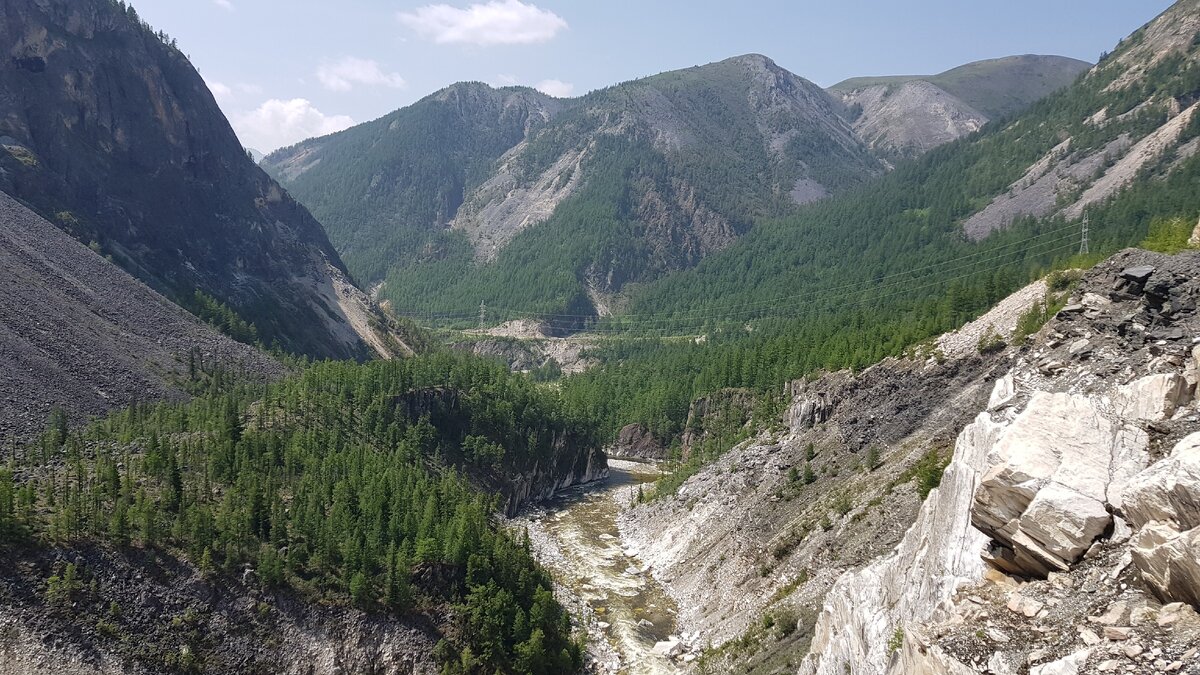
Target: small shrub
(896,641)
(59,589)
(991,342)
(786,623)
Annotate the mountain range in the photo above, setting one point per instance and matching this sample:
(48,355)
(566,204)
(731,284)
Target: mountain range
(558,205)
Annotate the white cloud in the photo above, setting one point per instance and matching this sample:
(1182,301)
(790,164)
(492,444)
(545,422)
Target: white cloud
(555,88)
(226,5)
(498,22)
(277,123)
(505,80)
(220,91)
(349,71)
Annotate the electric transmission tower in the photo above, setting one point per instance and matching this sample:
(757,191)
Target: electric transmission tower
(1083,242)
(482,316)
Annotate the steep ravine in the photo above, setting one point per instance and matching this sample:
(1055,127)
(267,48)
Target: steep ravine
(1062,538)
(622,607)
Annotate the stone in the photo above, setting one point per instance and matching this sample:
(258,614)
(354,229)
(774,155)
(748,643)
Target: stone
(1139,274)
(1070,665)
(1108,666)
(1152,398)
(1117,632)
(1003,663)
(1132,650)
(1063,446)
(1169,561)
(1174,612)
(996,635)
(1089,637)
(668,648)
(1168,491)
(1003,393)
(1112,615)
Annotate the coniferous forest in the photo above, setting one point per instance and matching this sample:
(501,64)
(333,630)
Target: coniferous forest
(334,483)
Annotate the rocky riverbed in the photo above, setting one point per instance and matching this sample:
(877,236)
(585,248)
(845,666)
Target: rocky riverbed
(629,619)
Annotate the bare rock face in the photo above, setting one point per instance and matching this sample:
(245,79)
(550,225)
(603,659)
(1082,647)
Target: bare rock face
(909,119)
(1044,499)
(1063,478)
(1168,491)
(636,441)
(112,135)
(1169,561)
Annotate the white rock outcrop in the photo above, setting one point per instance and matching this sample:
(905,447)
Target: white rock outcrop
(1169,561)
(1054,472)
(938,554)
(1169,491)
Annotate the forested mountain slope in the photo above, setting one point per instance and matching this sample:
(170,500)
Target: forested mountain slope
(905,116)
(850,280)
(77,333)
(558,205)
(108,132)
(345,489)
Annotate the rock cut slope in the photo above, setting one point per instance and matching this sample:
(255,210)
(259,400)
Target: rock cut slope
(79,333)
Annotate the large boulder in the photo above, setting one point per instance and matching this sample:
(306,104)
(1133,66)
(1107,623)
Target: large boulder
(1153,398)
(1168,491)
(1169,561)
(1054,472)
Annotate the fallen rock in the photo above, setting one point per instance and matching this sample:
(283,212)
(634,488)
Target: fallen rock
(1168,491)
(1152,398)
(668,648)
(1070,665)
(1169,561)
(1054,471)
(1117,633)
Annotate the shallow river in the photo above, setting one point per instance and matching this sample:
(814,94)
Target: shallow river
(631,609)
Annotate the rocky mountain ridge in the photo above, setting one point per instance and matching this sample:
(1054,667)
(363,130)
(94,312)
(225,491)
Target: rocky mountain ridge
(904,116)
(667,171)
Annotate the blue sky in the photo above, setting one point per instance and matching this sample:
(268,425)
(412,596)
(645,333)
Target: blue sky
(287,70)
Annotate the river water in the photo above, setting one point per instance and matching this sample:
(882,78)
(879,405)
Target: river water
(581,544)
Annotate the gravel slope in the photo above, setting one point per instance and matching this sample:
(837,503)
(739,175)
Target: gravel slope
(79,333)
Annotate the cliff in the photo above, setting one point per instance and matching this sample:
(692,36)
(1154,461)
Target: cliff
(109,132)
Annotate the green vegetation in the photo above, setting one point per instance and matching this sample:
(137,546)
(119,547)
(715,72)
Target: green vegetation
(896,641)
(1168,235)
(346,483)
(846,282)
(219,315)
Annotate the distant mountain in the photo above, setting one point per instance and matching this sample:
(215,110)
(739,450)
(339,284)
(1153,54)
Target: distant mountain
(515,199)
(111,134)
(904,116)
(1120,144)
(78,333)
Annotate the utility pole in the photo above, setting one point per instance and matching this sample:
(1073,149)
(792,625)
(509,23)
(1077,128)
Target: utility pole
(483,315)
(1083,242)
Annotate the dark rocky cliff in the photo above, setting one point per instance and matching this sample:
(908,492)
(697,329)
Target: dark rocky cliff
(109,132)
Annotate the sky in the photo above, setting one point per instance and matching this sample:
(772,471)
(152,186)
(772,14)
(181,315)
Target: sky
(286,70)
